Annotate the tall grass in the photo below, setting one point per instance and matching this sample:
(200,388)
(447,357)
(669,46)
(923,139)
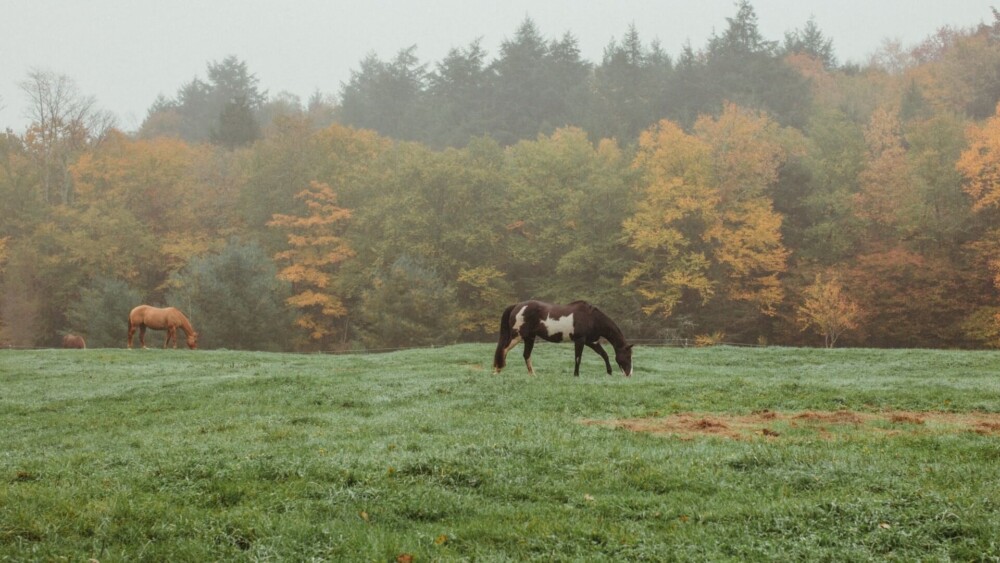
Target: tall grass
(151,455)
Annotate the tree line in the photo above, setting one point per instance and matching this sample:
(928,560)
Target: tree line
(751,191)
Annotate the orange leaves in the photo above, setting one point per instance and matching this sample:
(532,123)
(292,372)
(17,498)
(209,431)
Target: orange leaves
(315,248)
(980,163)
(885,180)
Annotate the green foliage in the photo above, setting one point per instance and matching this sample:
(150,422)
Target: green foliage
(222,110)
(237,125)
(235,300)
(548,190)
(385,96)
(101,313)
(119,455)
(409,305)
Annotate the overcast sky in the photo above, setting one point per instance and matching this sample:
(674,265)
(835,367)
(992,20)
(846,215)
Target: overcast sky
(127,52)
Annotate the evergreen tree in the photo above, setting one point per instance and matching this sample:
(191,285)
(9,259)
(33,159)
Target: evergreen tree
(387,96)
(101,312)
(630,87)
(223,110)
(811,41)
(458,97)
(235,300)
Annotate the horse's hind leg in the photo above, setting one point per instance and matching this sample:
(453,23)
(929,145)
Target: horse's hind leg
(131,333)
(142,336)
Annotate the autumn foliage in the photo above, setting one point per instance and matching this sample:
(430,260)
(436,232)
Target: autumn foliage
(749,191)
(315,250)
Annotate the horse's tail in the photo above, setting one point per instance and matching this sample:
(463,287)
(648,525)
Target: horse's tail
(499,358)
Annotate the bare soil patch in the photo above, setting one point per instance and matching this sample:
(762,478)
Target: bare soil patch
(771,425)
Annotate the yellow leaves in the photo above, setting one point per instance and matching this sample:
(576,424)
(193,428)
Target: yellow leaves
(299,274)
(746,150)
(980,163)
(704,222)
(666,151)
(328,304)
(828,309)
(886,179)
(480,277)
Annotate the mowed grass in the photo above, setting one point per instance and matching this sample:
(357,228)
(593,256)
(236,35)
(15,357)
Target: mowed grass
(152,455)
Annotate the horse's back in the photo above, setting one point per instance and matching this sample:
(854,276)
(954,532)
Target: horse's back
(138,311)
(544,309)
(153,317)
(74,341)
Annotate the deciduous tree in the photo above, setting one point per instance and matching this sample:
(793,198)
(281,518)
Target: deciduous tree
(63,123)
(316,249)
(827,309)
(705,225)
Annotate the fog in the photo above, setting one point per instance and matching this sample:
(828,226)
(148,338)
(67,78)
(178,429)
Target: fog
(125,53)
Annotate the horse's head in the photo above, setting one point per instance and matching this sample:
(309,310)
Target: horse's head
(192,339)
(623,356)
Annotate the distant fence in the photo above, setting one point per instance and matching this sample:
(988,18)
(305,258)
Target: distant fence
(648,342)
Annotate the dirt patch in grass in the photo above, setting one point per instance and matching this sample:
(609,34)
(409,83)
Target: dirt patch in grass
(773,425)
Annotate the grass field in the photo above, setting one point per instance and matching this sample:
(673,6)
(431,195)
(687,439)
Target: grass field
(705,454)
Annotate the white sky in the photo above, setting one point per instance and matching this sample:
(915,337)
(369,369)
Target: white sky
(126,52)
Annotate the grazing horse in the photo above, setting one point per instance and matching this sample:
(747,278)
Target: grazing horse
(579,321)
(169,319)
(73,341)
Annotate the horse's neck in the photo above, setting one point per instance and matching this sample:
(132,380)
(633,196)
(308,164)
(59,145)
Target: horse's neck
(611,332)
(186,325)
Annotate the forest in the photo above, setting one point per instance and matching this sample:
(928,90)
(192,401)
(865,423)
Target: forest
(750,191)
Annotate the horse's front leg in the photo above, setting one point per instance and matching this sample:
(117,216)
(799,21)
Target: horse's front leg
(596,346)
(171,335)
(578,355)
(529,343)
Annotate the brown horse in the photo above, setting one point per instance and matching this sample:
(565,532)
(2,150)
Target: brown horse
(73,341)
(169,319)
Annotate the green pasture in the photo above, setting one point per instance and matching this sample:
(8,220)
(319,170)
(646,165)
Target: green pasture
(423,455)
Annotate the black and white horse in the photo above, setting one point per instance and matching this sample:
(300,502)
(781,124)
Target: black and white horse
(579,321)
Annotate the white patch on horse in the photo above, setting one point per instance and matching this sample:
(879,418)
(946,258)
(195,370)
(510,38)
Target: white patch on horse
(562,326)
(519,319)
